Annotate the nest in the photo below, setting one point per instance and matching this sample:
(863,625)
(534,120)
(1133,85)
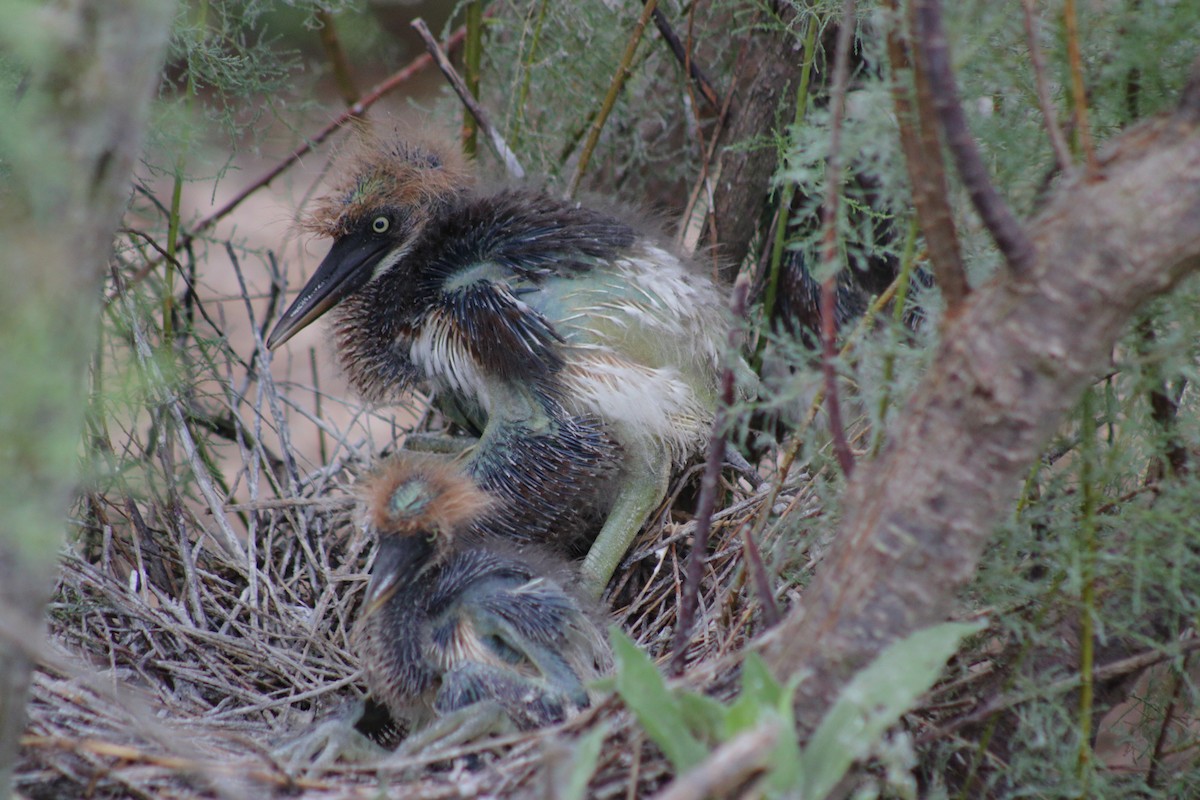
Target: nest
(191,637)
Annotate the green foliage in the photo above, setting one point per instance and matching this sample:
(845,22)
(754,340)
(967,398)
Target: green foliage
(241,72)
(583,763)
(685,724)
(658,710)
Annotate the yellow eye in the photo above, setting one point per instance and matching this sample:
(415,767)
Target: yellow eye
(380,224)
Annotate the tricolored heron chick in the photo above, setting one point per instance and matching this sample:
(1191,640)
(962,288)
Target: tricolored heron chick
(532,317)
(452,621)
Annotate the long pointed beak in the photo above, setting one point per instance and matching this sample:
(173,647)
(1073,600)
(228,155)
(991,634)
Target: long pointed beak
(346,268)
(398,561)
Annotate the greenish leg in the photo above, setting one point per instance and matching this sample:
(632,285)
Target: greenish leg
(333,740)
(644,485)
(457,728)
(438,443)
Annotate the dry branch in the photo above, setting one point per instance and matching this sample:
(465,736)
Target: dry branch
(922,146)
(1008,370)
(511,165)
(934,55)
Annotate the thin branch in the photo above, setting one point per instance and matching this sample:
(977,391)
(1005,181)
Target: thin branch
(1100,674)
(923,160)
(684,57)
(339,64)
(1010,236)
(829,237)
(1078,93)
(377,93)
(1157,756)
(760,578)
(1058,141)
(501,148)
(610,99)
(707,501)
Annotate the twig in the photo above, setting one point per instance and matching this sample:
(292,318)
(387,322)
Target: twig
(227,538)
(707,501)
(727,768)
(1100,674)
(1010,237)
(829,238)
(506,156)
(684,57)
(284,503)
(376,93)
(760,578)
(923,160)
(342,75)
(783,216)
(1078,93)
(266,383)
(1156,757)
(610,99)
(1058,141)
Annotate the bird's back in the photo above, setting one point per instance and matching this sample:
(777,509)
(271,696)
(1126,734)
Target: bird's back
(487,624)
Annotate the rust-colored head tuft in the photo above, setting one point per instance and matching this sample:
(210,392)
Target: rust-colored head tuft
(416,494)
(376,170)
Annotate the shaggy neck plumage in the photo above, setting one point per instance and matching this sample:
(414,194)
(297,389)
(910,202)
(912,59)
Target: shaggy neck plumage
(530,235)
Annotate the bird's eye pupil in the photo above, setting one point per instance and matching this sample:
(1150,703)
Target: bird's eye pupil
(380,224)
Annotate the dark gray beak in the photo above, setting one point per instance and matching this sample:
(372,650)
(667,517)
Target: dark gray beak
(346,269)
(398,561)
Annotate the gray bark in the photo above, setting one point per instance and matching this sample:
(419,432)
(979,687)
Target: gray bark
(67,147)
(1010,367)
(764,99)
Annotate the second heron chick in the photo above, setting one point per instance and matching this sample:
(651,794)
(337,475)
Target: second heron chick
(457,628)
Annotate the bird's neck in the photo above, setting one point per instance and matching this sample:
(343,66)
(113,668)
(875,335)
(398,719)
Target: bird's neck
(512,238)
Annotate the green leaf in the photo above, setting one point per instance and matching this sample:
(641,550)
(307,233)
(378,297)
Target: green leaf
(759,683)
(874,700)
(583,763)
(645,693)
(704,716)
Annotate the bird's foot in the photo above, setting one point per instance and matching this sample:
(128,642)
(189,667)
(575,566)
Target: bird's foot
(456,729)
(738,463)
(333,740)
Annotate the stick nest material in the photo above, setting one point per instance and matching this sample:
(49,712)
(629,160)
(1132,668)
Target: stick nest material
(177,662)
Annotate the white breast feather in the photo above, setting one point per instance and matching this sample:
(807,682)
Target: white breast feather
(441,353)
(639,401)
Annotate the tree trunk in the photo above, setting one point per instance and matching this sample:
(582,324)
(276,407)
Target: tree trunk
(68,139)
(1009,369)
(764,98)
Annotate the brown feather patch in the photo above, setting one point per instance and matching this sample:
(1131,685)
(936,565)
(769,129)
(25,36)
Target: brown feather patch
(381,170)
(413,493)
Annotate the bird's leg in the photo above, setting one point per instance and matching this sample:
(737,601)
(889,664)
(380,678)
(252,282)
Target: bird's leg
(644,482)
(438,443)
(332,740)
(458,728)
(738,463)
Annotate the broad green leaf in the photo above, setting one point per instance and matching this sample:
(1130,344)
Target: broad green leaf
(645,693)
(583,763)
(874,700)
(758,682)
(704,716)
